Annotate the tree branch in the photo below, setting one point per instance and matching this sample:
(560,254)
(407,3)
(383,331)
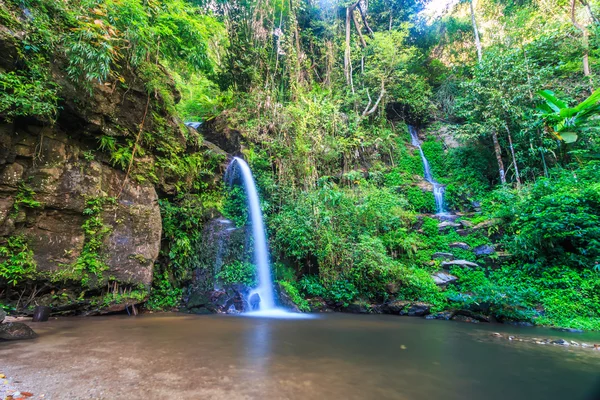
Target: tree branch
(372,110)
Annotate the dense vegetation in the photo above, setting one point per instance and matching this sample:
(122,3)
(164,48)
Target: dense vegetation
(321,93)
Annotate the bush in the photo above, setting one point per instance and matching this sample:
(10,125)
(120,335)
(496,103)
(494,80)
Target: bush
(238,272)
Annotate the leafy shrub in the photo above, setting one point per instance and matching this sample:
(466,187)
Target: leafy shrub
(341,292)
(164,295)
(16,261)
(238,272)
(556,221)
(311,285)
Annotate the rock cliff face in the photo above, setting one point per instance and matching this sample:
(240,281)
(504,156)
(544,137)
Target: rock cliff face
(52,165)
(90,230)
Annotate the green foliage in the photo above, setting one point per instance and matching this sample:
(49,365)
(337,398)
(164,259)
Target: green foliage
(566,122)
(238,272)
(556,221)
(90,264)
(27,94)
(181,218)
(294,294)
(25,198)
(164,295)
(16,261)
(480,293)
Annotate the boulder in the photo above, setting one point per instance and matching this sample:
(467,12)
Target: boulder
(463,232)
(403,307)
(16,331)
(41,314)
(418,309)
(442,278)
(285,300)
(570,330)
(464,318)
(488,223)
(442,226)
(484,250)
(459,263)
(394,307)
(2,315)
(466,224)
(444,315)
(445,256)
(357,308)
(459,245)
(254,301)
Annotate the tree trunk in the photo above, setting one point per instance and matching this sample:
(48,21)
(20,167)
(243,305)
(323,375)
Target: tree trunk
(475,31)
(514,159)
(347,48)
(498,152)
(585,41)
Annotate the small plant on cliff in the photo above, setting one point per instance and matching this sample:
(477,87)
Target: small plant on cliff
(90,263)
(24,198)
(16,260)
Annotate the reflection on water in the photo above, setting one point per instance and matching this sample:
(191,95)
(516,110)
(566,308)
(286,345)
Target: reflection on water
(329,357)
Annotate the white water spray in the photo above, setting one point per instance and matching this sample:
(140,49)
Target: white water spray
(259,236)
(261,248)
(438,190)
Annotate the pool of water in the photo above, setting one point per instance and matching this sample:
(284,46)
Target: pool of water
(334,356)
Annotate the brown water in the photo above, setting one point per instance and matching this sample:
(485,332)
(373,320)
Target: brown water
(333,357)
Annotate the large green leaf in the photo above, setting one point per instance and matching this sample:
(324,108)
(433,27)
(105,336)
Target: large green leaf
(568,137)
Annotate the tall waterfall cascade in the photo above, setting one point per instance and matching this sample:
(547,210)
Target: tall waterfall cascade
(261,248)
(438,189)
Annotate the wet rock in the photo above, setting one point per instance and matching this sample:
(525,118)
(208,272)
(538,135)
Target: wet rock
(488,223)
(254,301)
(444,315)
(2,315)
(41,314)
(463,318)
(444,256)
(459,245)
(484,250)
(357,308)
(403,307)
(570,330)
(418,309)
(463,232)
(394,307)
(561,342)
(518,323)
(441,278)
(473,315)
(16,331)
(447,225)
(285,300)
(466,224)
(459,263)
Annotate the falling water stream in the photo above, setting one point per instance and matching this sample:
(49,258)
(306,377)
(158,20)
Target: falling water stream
(261,248)
(438,190)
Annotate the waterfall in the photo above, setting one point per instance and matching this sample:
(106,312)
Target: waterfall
(438,190)
(259,236)
(261,248)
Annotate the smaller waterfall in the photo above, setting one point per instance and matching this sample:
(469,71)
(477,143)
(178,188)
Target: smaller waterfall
(438,190)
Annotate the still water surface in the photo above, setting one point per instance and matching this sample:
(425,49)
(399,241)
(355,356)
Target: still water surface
(334,356)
